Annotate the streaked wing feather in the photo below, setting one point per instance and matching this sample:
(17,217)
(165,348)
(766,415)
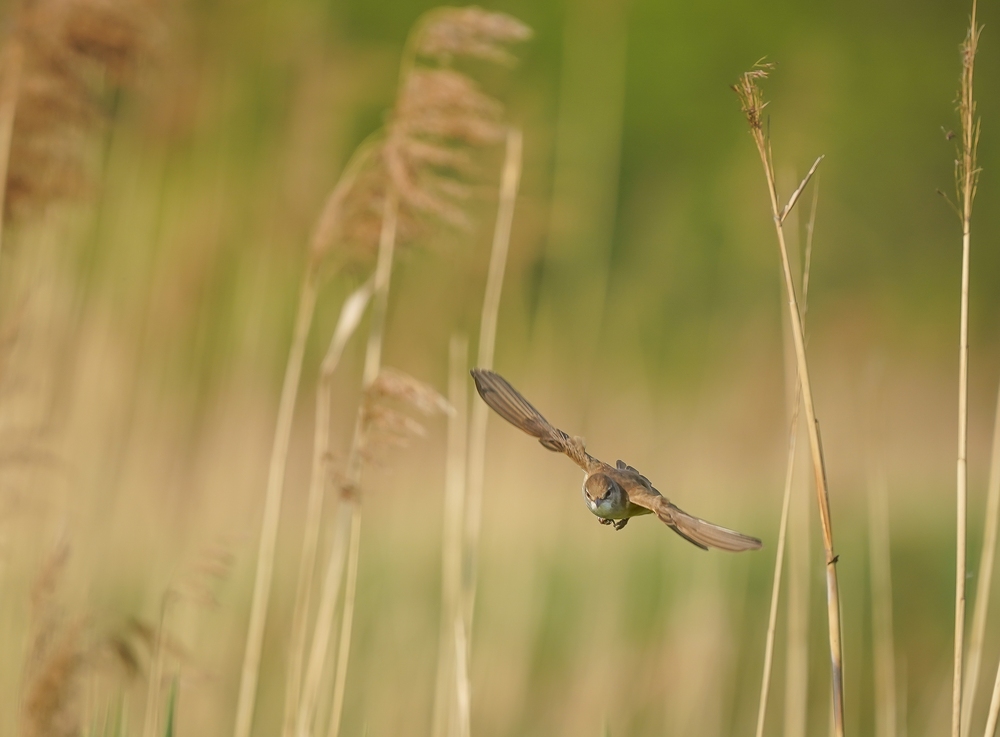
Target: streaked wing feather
(706,534)
(510,404)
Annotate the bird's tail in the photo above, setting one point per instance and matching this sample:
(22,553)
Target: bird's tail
(507,402)
(702,533)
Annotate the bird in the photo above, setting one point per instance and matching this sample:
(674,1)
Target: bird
(616,493)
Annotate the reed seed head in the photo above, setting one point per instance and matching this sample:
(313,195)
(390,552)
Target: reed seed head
(73,50)
(751,98)
(426,153)
(470,32)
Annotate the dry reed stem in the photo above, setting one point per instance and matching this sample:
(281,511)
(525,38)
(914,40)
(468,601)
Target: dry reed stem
(347,523)
(272,507)
(882,630)
(10,90)
(779,558)
(463,693)
(798,191)
(350,316)
(753,105)
(984,580)
(796,710)
(967,175)
(156,667)
(346,624)
(322,630)
(451,544)
(991,719)
(509,182)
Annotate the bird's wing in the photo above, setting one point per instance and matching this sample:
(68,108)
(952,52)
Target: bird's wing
(695,530)
(507,402)
(623,466)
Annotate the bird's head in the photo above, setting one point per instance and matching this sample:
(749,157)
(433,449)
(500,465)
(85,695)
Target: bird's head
(599,486)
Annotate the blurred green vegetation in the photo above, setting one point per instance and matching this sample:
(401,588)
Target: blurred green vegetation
(641,309)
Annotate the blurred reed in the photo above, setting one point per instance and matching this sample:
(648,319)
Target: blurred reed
(465,473)
(984,580)
(398,176)
(439,115)
(509,182)
(350,317)
(446,704)
(883,638)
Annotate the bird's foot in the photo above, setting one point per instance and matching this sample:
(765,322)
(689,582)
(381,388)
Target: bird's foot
(605,521)
(620,524)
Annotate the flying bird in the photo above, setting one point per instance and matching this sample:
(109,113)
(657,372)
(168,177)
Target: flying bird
(614,494)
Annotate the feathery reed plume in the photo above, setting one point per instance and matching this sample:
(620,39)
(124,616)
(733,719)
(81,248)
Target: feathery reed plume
(451,537)
(753,105)
(984,580)
(440,115)
(70,50)
(779,557)
(966,179)
(50,699)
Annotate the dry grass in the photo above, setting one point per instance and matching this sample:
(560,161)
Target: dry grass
(984,581)
(350,317)
(966,179)
(753,103)
(779,556)
(456,473)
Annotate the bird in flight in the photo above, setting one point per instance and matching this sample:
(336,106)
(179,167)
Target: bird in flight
(613,494)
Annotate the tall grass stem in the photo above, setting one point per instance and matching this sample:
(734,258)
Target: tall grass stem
(272,507)
(509,182)
(350,316)
(347,526)
(984,581)
(779,558)
(753,106)
(451,544)
(967,174)
(883,638)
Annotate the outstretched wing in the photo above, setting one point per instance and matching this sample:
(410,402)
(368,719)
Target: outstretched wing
(706,534)
(695,530)
(507,402)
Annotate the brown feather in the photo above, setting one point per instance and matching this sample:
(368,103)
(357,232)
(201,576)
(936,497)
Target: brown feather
(507,402)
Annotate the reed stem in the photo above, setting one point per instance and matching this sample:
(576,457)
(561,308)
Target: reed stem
(509,183)
(451,545)
(350,316)
(753,106)
(779,558)
(272,507)
(984,581)
(347,527)
(967,174)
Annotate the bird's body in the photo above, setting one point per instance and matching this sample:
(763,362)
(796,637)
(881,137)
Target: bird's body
(614,494)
